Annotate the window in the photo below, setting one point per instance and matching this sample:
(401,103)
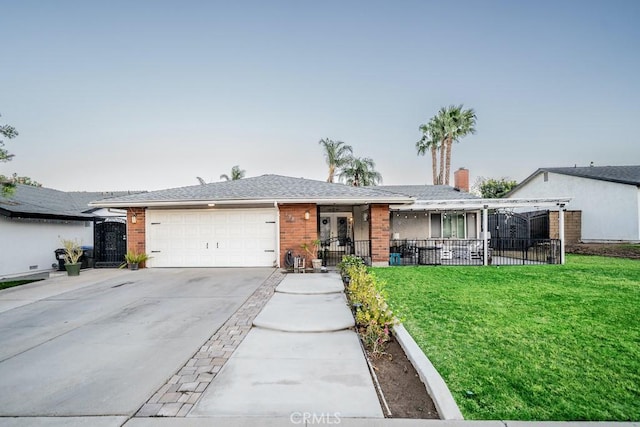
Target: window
(449,225)
(453,226)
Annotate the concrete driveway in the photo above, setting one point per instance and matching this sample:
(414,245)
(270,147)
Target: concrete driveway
(103,343)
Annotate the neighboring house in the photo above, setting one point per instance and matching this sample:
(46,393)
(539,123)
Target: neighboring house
(34,220)
(607,196)
(263,221)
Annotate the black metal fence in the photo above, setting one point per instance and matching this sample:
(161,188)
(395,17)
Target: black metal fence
(332,250)
(471,252)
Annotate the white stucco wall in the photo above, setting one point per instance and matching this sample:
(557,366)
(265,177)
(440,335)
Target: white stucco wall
(410,225)
(610,211)
(360,227)
(27,246)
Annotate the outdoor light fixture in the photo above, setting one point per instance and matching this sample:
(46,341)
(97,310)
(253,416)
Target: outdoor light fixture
(211,205)
(306,215)
(134,218)
(365,216)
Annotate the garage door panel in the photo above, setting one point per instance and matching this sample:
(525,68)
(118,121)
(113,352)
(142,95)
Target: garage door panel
(212,238)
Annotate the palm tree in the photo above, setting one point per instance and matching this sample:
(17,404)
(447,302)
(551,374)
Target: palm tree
(457,123)
(430,141)
(360,172)
(448,126)
(336,153)
(236,173)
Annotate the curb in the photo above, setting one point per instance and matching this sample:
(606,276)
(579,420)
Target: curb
(435,385)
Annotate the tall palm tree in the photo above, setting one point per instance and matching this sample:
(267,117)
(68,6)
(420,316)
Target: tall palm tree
(430,141)
(236,173)
(360,172)
(336,153)
(457,123)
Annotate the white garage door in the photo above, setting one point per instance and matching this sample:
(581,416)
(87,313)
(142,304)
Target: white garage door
(211,238)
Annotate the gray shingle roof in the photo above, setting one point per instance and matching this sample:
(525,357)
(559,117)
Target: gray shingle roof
(429,192)
(621,174)
(30,201)
(261,188)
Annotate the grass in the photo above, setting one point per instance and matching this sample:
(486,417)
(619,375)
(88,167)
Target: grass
(11,284)
(544,342)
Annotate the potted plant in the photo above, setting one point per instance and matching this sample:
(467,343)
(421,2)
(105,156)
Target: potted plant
(72,254)
(134,259)
(312,249)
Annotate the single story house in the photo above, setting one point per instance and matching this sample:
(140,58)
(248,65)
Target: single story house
(266,220)
(34,220)
(607,198)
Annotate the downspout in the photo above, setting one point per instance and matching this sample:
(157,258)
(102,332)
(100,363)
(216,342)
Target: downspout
(278,251)
(485,238)
(561,231)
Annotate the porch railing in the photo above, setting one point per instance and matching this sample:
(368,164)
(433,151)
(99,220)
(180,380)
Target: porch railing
(332,250)
(471,252)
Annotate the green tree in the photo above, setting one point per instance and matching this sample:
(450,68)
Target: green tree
(336,154)
(7,186)
(236,173)
(491,188)
(360,172)
(449,125)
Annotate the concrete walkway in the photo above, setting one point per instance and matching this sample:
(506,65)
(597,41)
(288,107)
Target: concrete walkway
(302,356)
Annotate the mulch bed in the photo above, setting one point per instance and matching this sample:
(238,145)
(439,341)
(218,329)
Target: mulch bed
(603,249)
(405,393)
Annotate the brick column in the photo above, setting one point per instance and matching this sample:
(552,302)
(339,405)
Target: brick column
(379,234)
(136,232)
(296,230)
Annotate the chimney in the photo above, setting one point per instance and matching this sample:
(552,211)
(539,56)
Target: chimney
(461,179)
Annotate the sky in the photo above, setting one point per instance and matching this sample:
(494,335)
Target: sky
(147,95)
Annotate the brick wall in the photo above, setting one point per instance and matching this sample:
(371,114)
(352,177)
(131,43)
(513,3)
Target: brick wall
(572,226)
(136,232)
(379,234)
(295,230)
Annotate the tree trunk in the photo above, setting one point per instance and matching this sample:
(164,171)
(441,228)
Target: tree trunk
(448,161)
(332,172)
(443,146)
(434,164)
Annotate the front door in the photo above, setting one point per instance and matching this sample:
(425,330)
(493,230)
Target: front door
(336,236)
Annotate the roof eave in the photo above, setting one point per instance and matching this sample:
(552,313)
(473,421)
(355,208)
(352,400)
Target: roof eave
(476,204)
(318,201)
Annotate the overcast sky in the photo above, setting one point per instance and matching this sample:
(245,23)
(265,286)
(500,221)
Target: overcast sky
(116,95)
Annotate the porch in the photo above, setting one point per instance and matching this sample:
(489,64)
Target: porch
(471,252)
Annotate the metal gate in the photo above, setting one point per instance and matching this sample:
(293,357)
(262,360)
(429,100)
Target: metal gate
(110,244)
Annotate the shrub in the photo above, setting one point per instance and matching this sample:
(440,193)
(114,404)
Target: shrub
(373,316)
(349,261)
(135,257)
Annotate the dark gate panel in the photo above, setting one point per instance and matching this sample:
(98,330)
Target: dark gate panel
(110,244)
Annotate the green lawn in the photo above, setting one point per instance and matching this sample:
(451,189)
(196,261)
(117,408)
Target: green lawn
(11,284)
(544,342)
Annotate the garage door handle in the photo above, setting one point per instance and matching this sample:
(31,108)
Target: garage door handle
(269,250)
(155,252)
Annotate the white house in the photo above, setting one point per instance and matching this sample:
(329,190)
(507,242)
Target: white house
(607,196)
(33,220)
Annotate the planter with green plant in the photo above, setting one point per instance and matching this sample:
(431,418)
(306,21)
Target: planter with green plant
(134,259)
(72,254)
(312,249)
